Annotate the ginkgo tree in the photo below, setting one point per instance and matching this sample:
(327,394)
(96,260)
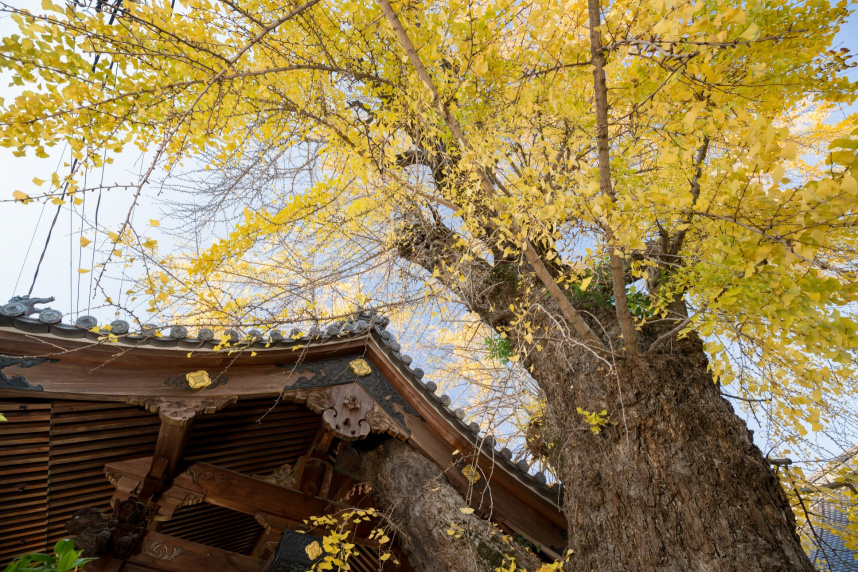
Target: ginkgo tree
(646,200)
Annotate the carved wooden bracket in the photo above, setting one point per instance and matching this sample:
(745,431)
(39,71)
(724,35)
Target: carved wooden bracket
(170,501)
(175,498)
(346,371)
(349,412)
(347,417)
(99,532)
(179,410)
(274,526)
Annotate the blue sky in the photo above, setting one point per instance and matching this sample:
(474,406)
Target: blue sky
(24,228)
(58,274)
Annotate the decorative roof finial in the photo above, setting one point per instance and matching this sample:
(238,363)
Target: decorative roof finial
(24,306)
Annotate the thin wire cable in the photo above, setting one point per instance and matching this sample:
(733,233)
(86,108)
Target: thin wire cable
(50,231)
(91,293)
(65,189)
(80,246)
(36,229)
(95,238)
(27,255)
(71,251)
(134,212)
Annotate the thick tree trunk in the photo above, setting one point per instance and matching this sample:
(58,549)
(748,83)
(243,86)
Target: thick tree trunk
(673,482)
(677,484)
(416,497)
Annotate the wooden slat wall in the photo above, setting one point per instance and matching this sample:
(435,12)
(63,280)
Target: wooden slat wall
(236,439)
(216,527)
(24,458)
(367,560)
(50,468)
(85,437)
(52,457)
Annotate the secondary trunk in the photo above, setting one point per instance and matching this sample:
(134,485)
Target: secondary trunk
(425,510)
(672,481)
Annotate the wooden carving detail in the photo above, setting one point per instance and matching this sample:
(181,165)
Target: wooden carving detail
(182,410)
(160,551)
(380,422)
(18,381)
(113,476)
(182,382)
(346,417)
(284,476)
(98,532)
(349,411)
(334,372)
(317,399)
(173,499)
(201,476)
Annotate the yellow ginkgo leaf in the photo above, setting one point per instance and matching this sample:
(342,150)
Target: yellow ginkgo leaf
(38,182)
(19,196)
(467,510)
(154,222)
(752,33)
(84,241)
(471,474)
(82,270)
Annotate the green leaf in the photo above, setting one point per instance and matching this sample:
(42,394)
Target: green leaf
(66,561)
(64,546)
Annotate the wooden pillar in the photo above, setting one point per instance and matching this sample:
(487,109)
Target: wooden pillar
(274,526)
(177,416)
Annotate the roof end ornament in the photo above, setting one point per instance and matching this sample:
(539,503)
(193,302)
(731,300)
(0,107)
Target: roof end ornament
(25,306)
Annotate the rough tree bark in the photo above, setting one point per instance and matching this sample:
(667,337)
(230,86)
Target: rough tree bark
(419,501)
(674,483)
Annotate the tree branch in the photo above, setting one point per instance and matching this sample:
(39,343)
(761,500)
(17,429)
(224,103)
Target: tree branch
(597,56)
(530,253)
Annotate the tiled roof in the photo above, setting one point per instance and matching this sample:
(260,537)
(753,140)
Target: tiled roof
(831,554)
(17,314)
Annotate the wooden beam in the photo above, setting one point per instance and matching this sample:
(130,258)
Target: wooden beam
(274,527)
(171,554)
(507,498)
(177,416)
(235,491)
(201,482)
(85,369)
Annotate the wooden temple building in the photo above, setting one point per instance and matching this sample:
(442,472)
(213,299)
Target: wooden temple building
(165,451)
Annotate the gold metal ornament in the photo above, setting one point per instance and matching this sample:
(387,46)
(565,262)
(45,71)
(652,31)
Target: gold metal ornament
(198,379)
(313,550)
(360,368)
